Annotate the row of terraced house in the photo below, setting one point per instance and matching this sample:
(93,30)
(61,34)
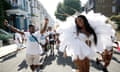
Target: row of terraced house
(25,12)
(106,7)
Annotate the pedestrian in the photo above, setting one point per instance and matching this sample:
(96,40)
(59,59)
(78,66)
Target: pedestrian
(33,49)
(57,40)
(85,37)
(51,39)
(107,42)
(43,40)
(18,40)
(79,42)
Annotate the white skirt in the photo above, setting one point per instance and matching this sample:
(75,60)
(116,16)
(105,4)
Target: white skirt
(80,49)
(75,47)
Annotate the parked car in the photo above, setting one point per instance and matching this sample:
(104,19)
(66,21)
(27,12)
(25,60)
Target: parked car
(5,36)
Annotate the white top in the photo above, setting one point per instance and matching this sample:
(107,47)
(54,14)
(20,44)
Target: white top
(32,47)
(76,45)
(18,38)
(52,33)
(41,37)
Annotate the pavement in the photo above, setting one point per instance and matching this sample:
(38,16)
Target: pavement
(52,64)
(5,50)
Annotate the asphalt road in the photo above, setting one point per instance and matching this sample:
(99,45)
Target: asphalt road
(15,62)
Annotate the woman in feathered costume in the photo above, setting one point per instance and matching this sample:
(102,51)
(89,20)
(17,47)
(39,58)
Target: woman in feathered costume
(84,36)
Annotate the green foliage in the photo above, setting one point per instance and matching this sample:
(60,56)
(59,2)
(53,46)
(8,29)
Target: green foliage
(4,5)
(60,12)
(71,6)
(68,7)
(5,37)
(116,18)
(1,14)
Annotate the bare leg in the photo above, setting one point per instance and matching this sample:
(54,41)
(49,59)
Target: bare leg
(52,49)
(107,56)
(32,67)
(82,65)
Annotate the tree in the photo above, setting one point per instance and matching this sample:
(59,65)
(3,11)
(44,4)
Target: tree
(60,12)
(1,14)
(4,5)
(71,6)
(116,18)
(68,7)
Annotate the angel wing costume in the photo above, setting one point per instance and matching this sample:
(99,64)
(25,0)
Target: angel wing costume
(75,46)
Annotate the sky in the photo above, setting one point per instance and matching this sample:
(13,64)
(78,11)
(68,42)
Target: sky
(51,5)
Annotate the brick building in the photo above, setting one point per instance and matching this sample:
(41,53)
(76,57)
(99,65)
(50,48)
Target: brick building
(106,7)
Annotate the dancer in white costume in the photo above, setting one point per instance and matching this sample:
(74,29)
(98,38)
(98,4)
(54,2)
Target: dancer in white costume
(107,41)
(105,35)
(80,40)
(84,37)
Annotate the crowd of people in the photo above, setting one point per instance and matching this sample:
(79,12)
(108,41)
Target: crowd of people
(37,42)
(84,38)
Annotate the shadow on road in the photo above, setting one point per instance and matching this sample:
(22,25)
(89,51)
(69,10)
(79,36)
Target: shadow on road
(22,65)
(48,60)
(65,61)
(9,56)
(115,59)
(96,66)
(60,61)
(116,52)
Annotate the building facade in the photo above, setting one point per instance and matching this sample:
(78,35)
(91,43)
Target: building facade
(25,12)
(106,7)
(18,14)
(39,13)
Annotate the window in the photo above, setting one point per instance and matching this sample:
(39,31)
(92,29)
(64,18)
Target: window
(113,9)
(14,3)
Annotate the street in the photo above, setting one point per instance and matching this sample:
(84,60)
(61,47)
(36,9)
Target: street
(15,62)
(83,26)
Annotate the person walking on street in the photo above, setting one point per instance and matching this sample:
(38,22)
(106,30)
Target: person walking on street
(107,48)
(51,39)
(33,49)
(79,42)
(18,41)
(86,35)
